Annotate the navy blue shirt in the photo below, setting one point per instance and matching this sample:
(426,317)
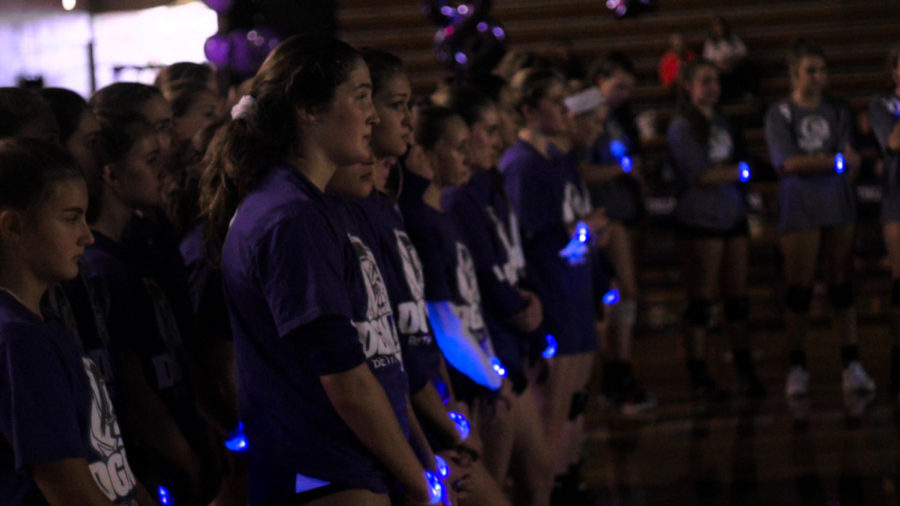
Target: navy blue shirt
(55,407)
(491,232)
(288,267)
(548,195)
(405,280)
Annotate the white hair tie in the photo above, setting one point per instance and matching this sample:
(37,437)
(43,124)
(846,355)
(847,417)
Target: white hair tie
(244,108)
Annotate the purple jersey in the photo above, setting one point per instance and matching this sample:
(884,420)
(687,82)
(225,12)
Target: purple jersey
(491,232)
(55,407)
(291,276)
(825,129)
(720,207)
(548,195)
(405,281)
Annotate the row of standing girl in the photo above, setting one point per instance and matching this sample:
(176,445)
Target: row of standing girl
(363,337)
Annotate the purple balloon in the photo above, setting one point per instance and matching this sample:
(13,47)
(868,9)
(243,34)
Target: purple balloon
(242,57)
(219,5)
(216,49)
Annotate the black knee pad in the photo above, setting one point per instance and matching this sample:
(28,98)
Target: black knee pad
(895,293)
(698,313)
(736,309)
(579,404)
(841,296)
(799,298)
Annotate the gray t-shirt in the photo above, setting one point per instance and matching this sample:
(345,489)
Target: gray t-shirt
(721,207)
(884,111)
(819,200)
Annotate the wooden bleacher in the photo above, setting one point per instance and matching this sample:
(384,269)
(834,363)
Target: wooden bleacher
(856,36)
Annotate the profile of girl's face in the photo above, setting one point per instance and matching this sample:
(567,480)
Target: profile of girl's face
(549,115)
(343,128)
(450,155)
(138,177)
(55,233)
(392,135)
(810,75)
(158,113)
(485,142)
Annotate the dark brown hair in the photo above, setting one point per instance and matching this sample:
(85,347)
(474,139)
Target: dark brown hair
(535,85)
(68,107)
(19,106)
(300,73)
(801,48)
(29,169)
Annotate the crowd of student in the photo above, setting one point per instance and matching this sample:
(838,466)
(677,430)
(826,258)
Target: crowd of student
(328,296)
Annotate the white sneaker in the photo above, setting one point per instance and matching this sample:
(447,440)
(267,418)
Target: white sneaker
(797,384)
(855,379)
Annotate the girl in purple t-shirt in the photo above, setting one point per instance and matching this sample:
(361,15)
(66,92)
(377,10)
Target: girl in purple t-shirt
(808,135)
(318,422)
(154,386)
(712,220)
(61,439)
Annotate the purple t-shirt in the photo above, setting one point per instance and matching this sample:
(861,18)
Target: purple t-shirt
(139,319)
(55,407)
(825,129)
(447,265)
(372,312)
(491,232)
(720,207)
(288,270)
(547,195)
(885,112)
(405,282)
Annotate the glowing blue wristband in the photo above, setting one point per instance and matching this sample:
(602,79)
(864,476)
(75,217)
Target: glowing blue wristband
(550,350)
(611,297)
(617,148)
(237,441)
(435,488)
(164,498)
(442,468)
(498,367)
(743,172)
(839,164)
(626,163)
(462,425)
